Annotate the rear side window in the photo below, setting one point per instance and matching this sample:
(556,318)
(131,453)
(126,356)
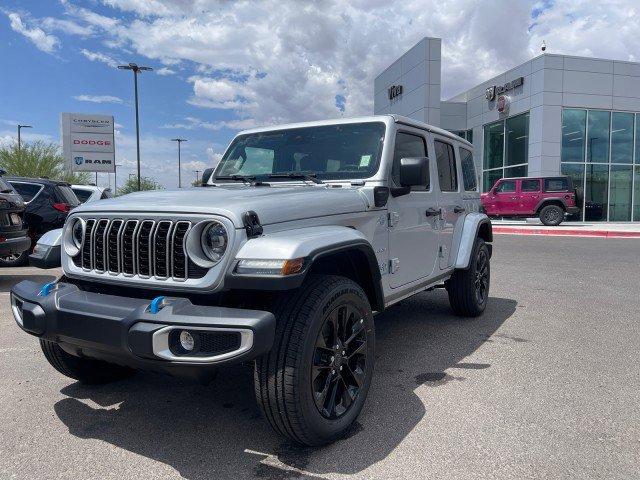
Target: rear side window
(407,145)
(82,194)
(530,185)
(27,191)
(446,161)
(556,185)
(468,171)
(66,195)
(507,186)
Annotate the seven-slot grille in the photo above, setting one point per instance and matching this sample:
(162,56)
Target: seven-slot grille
(142,248)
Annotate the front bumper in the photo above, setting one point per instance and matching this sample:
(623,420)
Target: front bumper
(124,330)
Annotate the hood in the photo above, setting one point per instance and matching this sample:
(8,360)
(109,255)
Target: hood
(272,204)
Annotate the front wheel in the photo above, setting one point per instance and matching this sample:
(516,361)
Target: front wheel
(469,289)
(313,383)
(85,370)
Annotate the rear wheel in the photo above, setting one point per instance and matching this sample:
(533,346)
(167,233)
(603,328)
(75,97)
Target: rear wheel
(85,370)
(313,383)
(552,215)
(469,289)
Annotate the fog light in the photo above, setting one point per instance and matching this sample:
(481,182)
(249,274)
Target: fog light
(187,341)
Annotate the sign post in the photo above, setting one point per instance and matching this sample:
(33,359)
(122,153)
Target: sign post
(88,142)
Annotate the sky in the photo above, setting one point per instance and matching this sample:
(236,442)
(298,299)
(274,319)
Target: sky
(222,66)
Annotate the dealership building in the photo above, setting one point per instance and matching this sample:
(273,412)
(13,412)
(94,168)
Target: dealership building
(554,114)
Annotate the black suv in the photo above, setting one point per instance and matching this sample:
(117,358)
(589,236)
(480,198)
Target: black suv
(14,240)
(48,204)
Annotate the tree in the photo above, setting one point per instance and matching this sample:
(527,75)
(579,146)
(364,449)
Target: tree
(37,160)
(131,185)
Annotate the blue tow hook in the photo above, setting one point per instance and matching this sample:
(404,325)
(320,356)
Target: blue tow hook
(46,289)
(157,304)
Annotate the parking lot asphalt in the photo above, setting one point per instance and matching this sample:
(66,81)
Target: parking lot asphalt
(546,384)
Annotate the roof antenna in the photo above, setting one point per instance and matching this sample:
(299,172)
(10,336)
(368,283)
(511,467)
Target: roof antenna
(543,47)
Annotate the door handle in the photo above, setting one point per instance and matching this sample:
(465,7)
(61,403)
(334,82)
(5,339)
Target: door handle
(458,209)
(432,212)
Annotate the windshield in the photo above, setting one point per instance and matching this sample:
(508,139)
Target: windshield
(329,151)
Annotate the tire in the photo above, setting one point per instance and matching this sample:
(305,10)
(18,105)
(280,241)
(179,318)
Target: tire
(15,260)
(85,370)
(469,289)
(552,215)
(294,395)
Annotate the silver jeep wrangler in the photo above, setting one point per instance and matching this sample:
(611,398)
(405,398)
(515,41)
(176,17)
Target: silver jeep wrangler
(301,234)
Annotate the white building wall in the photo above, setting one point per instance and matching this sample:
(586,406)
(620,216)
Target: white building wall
(418,71)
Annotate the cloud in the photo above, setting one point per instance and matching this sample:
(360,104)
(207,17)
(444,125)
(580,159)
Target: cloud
(98,98)
(100,57)
(37,36)
(164,71)
(193,123)
(66,26)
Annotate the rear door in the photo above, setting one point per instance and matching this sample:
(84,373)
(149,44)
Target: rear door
(452,210)
(530,190)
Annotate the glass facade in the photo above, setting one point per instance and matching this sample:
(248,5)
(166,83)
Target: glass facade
(466,134)
(598,150)
(506,149)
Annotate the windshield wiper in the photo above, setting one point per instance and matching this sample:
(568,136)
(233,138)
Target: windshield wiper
(311,177)
(237,178)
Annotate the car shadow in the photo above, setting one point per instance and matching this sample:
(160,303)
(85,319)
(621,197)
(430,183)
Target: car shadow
(216,431)
(8,281)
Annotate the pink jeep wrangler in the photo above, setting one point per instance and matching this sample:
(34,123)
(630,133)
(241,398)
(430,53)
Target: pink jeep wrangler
(549,198)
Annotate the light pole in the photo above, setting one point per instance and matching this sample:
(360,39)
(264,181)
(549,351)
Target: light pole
(136,69)
(179,140)
(20,127)
(115,177)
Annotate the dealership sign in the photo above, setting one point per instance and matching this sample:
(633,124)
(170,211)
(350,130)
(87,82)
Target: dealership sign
(491,92)
(88,142)
(394,91)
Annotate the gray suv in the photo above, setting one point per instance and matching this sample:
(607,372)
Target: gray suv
(299,236)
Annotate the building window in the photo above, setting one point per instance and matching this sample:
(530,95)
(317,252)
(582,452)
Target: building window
(574,130)
(598,148)
(466,134)
(506,149)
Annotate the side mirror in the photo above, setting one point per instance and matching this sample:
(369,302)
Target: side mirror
(206,175)
(414,171)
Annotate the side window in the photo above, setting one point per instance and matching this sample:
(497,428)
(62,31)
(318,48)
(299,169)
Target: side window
(27,190)
(82,194)
(530,185)
(556,185)
(407,145)
(508,186)
(468,170)
(447,173)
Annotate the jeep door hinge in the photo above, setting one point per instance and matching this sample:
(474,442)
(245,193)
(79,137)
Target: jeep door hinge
(393,219)
(394,265)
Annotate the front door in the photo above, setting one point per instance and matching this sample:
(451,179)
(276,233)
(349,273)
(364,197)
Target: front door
(506,198)
(413,234)
(452,210)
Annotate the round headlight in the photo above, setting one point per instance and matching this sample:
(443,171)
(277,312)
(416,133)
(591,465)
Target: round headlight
(214,241)
(77,233)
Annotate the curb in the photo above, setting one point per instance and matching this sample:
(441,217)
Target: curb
(564,233)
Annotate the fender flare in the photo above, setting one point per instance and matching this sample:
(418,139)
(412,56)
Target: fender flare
(473,222)
(312,244)
(542,202)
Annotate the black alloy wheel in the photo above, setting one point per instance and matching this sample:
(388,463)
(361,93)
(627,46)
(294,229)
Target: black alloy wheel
(339,361)
(481,276)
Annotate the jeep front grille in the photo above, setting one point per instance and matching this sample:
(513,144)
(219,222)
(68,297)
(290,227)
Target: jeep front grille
(138,248)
